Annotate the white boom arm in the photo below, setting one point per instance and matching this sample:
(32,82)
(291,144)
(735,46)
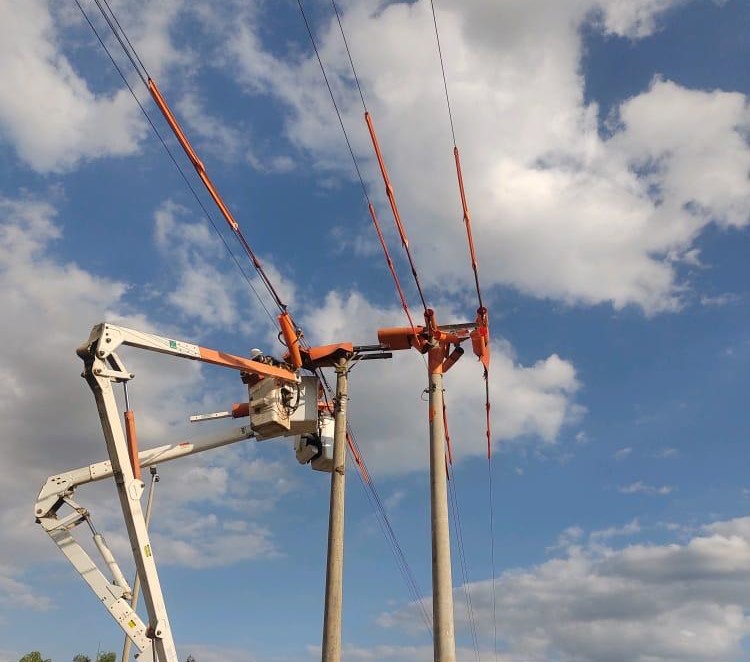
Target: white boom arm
(102,368)
(58,491)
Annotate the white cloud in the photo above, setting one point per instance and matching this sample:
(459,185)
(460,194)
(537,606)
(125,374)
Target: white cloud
(637,604)
(215,297)
(641,488)
(631,528)
(49,420)
(57,121)
(537,400)
(623,453)
(559,211)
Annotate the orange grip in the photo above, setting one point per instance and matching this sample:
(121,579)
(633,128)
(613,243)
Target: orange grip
(240,409)
(291,339)
(132,440)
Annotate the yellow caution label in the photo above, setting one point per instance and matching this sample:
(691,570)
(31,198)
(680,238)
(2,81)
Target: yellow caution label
(131,624)
(147,551)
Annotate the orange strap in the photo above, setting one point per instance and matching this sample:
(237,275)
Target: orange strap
(132,439)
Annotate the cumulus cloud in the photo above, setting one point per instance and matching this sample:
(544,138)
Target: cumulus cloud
(58,120)
(212,296)
(562,208)
(641,603)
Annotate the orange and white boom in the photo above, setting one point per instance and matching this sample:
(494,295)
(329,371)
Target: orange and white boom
(102,369)
(106,338)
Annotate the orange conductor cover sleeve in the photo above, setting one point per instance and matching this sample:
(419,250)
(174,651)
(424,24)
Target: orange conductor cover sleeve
(132,439)
(467,217)
(185,143)
(388,259)
(240,409)
(487,411)
(387,180)
(291,339)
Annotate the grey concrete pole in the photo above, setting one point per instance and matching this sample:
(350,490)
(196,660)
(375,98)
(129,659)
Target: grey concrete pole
(442,584)
(137,581)
(335,563)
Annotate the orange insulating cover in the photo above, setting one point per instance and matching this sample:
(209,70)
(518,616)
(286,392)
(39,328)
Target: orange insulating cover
(479,344)
(291,339)
(326,355)
(400,337)
(240,409)
(456,354)
(132,440)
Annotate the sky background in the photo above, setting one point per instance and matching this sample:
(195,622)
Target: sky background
(606,158)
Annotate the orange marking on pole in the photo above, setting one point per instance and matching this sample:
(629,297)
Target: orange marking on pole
(245,365)
(132,439)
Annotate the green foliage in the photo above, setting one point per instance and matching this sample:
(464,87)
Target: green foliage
(34,656)
(106,657)
(81,658)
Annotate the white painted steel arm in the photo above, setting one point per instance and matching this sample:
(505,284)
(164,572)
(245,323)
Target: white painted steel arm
(106,338)
(57,486)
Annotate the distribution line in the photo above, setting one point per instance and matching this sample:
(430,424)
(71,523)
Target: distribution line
(176,163)
(482,321)
(459,537)
(370,206)
(390,194)
(164,108)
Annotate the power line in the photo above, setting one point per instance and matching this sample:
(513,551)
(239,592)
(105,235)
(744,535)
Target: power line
(174,160)
(442,67)
(482,322)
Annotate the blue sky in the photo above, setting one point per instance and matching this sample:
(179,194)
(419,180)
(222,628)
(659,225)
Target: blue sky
(605,150)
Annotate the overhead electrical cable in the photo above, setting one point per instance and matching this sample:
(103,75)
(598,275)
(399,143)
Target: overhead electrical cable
(164,108)
(176,164)
(365,476)
(390,194)
(370,205)
(482,320)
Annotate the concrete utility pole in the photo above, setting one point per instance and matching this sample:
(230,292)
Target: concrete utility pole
(442,584)
(335,563)
(137,581)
